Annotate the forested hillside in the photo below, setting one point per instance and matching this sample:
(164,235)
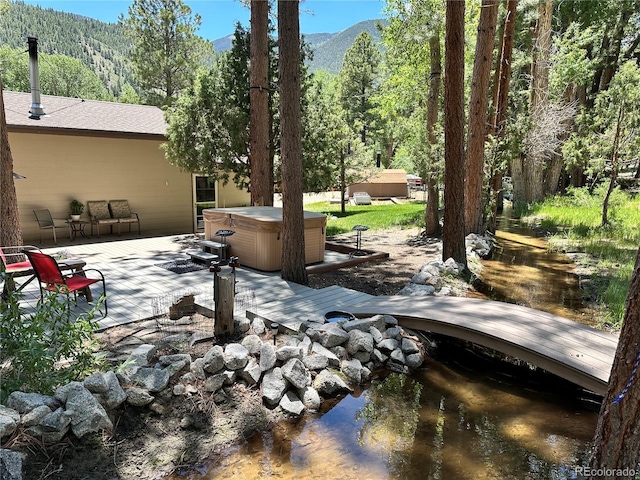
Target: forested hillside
(98,45)
(328,54)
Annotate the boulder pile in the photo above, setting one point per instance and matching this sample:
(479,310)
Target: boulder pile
(434,277)
(321,361)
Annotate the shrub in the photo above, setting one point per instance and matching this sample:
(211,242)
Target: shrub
(44,349)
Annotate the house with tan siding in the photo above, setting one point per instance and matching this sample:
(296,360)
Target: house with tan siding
(94,150)
(382,184)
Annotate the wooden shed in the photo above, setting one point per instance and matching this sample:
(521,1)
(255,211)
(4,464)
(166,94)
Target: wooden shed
(382,184)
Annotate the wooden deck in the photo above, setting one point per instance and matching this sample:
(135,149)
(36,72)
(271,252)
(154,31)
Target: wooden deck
(576,352)
(291,306)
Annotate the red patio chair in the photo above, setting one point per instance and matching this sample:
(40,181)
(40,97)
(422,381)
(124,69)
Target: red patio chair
(15,265)
(51,278)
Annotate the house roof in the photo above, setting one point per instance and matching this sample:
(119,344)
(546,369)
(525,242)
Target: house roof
(388,175)
(75,116)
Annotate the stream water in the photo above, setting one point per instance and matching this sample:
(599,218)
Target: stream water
(462,417)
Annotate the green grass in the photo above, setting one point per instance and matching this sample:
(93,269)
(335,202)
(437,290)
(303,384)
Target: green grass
(376,216)
(575,220)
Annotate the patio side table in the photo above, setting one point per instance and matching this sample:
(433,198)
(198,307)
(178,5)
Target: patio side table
(76,227)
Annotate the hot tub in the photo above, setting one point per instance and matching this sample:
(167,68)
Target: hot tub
(257,240)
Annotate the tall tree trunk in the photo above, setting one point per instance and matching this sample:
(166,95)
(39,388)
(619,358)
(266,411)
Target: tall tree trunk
(617,438)
(613,46)
(500,109)
(293,247)
(10,231)
(431,215)
(478,116)
(534,164)
(453,245)
(261,187)
(615,167)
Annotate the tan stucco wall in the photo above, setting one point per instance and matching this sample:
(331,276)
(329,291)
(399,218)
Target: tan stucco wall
(61,167)
(230,195)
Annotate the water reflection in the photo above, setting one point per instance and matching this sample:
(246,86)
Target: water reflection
(523,271)
(437,424)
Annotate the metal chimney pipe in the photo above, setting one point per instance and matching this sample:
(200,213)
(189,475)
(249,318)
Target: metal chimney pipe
(36,109)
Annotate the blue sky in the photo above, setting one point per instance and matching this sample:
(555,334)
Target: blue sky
(220,16)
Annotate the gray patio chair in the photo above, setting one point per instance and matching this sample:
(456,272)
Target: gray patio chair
(47,222)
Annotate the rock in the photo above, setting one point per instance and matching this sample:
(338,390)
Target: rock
(114,396)
(290,341)
(397,356)
(159,408)
(141,356)
(314,333)
(315,362)
(9,419)
(415,290)
(389,345)
(310,398)
(389,321)
(229,376)
(213,360)
(409,346)
(10,464)
(214,383)
(332,335)
(352,369)
(414,360)
(365,374)
(258,326)
(197,368)
(34,416)
(283,354)
(235,356)
(87,415)
(296,373)
(331,357)
(241,324)
(188,378)
(267,357)
(152,379)
(305,345)
(176,367)
(57,421)
(304,326)
(252,343)
(377,336)
(452,267)
(273,386)
(393,332)
(96,383)
(167,360)
(365,324)
(339,352)
(47,435)
(138,397)
(378,357)
(187,422)
(359,341)
(445,292)
(329,384)
(251,373)
(363,357)
(290,403)
(25,402)
(179,389)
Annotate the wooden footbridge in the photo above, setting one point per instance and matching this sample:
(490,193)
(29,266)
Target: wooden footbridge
(575,352)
